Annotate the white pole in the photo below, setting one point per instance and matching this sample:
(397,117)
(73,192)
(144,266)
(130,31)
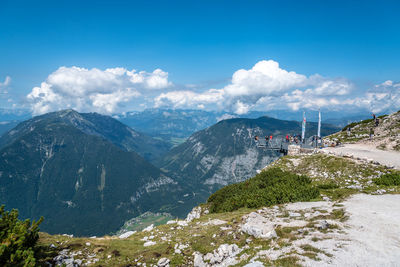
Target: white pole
(319,124)
(303,127)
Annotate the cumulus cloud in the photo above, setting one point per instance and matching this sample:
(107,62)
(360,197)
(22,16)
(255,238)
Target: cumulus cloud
(265,78)
(384,97)
(267,86)
(93,89)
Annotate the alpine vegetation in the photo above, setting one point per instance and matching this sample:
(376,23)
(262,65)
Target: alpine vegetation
(270,187)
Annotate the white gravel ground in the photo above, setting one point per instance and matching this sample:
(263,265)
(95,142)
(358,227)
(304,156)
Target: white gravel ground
(388,158)
(373,232)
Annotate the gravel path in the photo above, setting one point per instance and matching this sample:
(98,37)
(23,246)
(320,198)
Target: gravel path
(388,158)
(374,231)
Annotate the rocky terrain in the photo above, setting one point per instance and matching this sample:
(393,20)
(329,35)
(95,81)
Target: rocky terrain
(355,222)
(386,135)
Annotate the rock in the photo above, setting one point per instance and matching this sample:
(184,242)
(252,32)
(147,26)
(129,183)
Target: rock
(248,240)
(294,214)
(194,214)
(127,234)
(223,256)
(149,243)
(358,187)
(68,235)
(326,198)
(198,260)
(87,244)
(258,226)
(53,246)
(182,223)
(163,262)
(254,264)
(148,228)
(323,225)
(172,221)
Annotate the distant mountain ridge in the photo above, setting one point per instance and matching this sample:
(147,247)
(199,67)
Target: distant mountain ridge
(94,124)
(226,152)
(61,166)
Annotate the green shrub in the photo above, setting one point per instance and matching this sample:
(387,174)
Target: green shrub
(270,187)
(17,239)
(389,179)
(330,185)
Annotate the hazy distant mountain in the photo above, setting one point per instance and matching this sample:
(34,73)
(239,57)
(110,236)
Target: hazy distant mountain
(226,153)
(174,126)
(64,167)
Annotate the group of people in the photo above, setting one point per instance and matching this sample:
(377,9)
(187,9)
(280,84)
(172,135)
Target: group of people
(289,138)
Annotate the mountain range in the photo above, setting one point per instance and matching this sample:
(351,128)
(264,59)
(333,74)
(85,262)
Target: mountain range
(226,152)
(80,172)
(88,173)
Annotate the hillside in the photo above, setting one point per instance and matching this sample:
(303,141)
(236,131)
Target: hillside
(226,152)
(61,167)
(386,135)
(93,124)
(335,229)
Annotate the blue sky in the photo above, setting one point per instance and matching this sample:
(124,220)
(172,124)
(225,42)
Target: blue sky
(200,44)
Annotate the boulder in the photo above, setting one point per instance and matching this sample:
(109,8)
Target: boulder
(258,226)
(194,214)
(163,262)
(127,234)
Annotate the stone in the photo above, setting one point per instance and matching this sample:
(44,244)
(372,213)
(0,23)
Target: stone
(149,243)
(326,198)
(258,226)
(127,234)
(323,225)
(148,228)
(194,214)
(198,260)
(182,223)
(294,214)
(163,262)
(254,264)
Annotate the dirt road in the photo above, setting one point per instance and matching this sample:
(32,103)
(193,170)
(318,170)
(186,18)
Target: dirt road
(388,158)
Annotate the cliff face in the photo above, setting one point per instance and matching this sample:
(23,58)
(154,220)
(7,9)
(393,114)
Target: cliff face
(226,152)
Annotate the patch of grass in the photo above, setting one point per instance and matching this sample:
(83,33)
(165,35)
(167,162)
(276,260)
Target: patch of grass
(388,179)
(287,261)
(308,247)
(339,214)
(329,185)
(270,187)
(340,193)
(311,255)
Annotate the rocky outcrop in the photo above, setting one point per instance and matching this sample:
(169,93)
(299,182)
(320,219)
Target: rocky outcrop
(258,226)
(223,256)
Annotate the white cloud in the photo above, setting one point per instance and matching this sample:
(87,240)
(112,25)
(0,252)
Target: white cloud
(265,78)
(93,89)
(4,85)
(189,99)
(265,86)
(384,97)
